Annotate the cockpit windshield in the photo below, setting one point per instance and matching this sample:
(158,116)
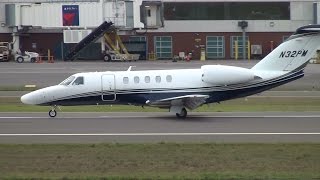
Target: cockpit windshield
(78,81)
(67,81)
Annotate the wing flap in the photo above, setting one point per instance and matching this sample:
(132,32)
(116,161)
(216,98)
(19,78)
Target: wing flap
(189,101)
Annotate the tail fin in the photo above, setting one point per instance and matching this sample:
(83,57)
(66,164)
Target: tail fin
(294,53)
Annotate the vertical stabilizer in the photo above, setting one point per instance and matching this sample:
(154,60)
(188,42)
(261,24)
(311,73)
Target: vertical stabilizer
(294,53)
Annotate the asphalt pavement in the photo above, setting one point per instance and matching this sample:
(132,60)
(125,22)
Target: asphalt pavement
(46,74)
(131,127)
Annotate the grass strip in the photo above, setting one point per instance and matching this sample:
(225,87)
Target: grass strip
(160,161)
(251,104)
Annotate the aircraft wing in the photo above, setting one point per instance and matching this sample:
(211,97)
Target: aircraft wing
(189,101)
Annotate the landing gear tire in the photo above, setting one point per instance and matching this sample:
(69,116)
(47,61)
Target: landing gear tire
(182,114)
(52,113)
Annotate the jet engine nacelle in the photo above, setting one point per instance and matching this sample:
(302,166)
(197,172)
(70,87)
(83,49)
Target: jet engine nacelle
(226,75)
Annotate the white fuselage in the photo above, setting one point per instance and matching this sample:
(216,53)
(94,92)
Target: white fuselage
(140,82)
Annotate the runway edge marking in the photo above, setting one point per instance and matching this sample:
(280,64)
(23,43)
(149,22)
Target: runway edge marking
(210,116)
(160,134)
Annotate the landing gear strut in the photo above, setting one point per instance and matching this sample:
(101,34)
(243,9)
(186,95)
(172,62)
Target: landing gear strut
(53,112)
(182,114)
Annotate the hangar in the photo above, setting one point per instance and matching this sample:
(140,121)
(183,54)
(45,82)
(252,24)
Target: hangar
(162,29)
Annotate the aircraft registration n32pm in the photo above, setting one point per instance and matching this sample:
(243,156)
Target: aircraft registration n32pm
(182,89)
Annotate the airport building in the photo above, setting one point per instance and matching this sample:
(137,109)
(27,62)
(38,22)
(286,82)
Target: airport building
(210,29)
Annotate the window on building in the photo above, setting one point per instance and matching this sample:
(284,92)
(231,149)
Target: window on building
(158,79)
(147,79)
(125,80)
(227,11)
(163,47)
(78,81)
(215,47)
(238,40)
(136,79)
(169,78)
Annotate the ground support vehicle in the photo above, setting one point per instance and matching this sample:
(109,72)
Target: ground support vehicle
(26,57)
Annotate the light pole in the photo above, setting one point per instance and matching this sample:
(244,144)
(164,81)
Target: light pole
(243,25)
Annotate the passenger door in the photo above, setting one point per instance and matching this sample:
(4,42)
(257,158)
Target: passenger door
(108,87)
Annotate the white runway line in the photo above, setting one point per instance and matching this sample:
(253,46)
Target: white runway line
(191,116)
(161,134)
(21,117)
(218,116)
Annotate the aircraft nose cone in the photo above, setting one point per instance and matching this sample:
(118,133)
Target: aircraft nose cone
(26,99)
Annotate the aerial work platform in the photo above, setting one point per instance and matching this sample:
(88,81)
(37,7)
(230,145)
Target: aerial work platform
(92,37)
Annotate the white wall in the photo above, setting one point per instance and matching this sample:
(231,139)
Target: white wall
(2,13)
(49,15)
(232,26)
(301,10)
(136,14)
(116,12)
(318,13)
(3,19)
(91,14)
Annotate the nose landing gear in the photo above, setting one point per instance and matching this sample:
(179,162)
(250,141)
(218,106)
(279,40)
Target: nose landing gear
(53,112)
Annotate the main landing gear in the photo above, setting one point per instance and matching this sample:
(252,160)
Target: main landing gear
(182,114)
(53,112)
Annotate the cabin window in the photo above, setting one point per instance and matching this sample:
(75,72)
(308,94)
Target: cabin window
(169,78)
(158,79)
(125,80)
(136,79)
(147,79)
(67,81)
(78,81)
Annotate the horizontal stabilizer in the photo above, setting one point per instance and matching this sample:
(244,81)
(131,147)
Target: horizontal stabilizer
(314,28)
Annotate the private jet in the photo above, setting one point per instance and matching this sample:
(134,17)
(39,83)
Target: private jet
(179,90)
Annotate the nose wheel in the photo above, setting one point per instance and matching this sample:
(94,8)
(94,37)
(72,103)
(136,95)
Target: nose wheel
(53,112)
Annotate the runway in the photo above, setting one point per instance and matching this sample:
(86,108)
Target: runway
(160,127)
